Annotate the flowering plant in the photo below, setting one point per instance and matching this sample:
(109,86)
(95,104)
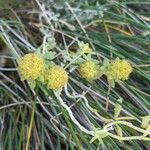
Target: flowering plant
(32,66)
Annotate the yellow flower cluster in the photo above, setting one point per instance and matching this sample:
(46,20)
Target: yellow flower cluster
(31,66)
(89,70)
(56,77)
(119,69)
(85,47)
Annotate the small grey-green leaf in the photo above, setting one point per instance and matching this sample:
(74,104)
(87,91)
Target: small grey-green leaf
(49,55)
(105,62)
(32,84)
(103,134)
(111,82)
(51,43)
(49,63)
(145,121)
(118,130)
(93,139)
(38,51)
(41,78)
(79,61)
(96,61)
(67,57)
(117,108)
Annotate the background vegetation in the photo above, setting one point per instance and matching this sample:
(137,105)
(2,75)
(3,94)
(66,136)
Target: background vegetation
(114,28)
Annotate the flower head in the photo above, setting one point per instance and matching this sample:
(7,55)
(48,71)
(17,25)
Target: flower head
(119,69)
(56,77)
(89,70)
(85,47)
(31,66)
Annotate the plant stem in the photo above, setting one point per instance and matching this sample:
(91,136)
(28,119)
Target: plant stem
(107,100)
(87,104)
(129,137)
(71,115)
(30,127)
(127,124)
(73,60)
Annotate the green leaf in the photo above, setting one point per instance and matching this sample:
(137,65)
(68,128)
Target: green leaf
(95,61)
(111,82)
(32,83)
(49,63)
(67,57)
(41,78)
(148,128)
(79,61)
(105,62)
(38,51)
(117,108)
(118,130)
(93,139)
(145,121)
(49,55)
(51,43)
(99,134)
(103,135)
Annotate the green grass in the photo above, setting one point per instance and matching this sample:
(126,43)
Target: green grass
(36,117)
